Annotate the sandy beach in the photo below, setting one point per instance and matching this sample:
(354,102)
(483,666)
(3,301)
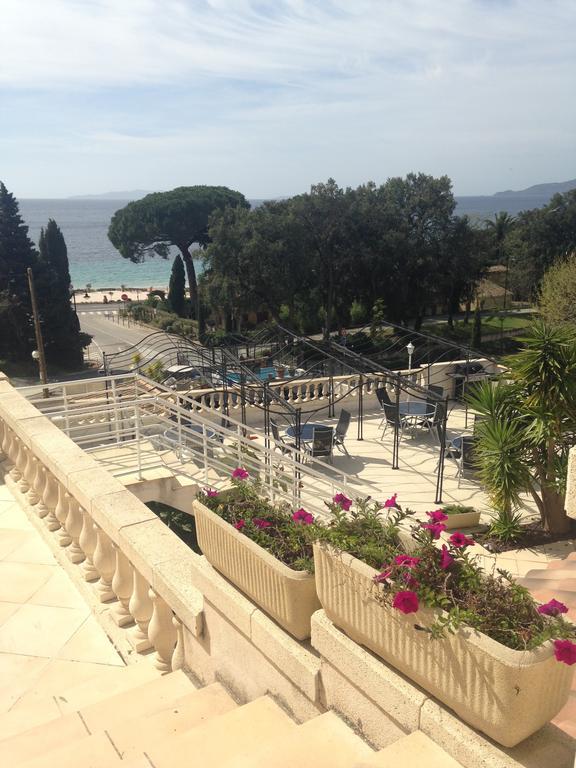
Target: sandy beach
(114,295)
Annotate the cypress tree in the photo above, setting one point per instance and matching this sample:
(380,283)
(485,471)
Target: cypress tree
(17,253)
(177,288)
(63,340)
(476,339)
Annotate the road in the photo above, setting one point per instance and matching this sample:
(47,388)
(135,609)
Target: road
(102,323)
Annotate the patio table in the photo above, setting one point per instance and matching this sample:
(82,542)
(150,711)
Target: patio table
(306,432)
(416,408)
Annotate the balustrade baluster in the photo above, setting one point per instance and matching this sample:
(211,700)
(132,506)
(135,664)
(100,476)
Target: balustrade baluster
(40,486)
(178,658)
(61,513)
(24,465)
(140,607)
(15,447)
(3,436)
(50,499)
(74,528)
(105,562)
(32,497)
(122,584)
(162,632)
(88,541)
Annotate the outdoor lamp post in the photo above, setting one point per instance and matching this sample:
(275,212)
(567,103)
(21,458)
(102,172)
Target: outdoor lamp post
(410,349)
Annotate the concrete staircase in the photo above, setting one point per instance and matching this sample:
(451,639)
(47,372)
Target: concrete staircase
(139,719)
(558,580)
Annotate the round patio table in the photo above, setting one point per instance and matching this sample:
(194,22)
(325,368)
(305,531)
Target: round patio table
(416,408)
(306,431)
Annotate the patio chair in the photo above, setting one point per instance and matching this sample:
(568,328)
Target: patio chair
(383,399)
(466,462)
(436,390)
(393,418)
(322,443)
(279,441)
(341,430)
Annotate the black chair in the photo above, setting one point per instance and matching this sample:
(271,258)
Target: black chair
(341,430)
(322,443)
(279,441)
(466,463)
(436,390)
(383,399)
(393,418)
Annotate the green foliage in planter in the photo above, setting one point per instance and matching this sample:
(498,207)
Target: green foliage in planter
(287,535)
(443,577)
(457,509)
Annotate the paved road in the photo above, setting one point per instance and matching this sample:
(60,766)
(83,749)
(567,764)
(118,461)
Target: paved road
(109,334)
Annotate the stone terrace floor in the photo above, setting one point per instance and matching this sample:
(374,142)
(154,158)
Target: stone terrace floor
(48,635)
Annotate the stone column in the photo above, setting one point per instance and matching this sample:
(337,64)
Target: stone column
(88,540)
(105,562)
(32,497)
(162,633)
(61,513)
(178,655)
(50,499)
(74,528)
(15,457)
(40,480)
(24,466)
(140,607)
(122,584)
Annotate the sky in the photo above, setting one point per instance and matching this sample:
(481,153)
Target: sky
(271,96)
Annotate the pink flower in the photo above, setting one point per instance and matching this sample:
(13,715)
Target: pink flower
(391,502)
(446,558)
(438,516)
(342,501)
(459,540)
(259,523)
(435,529)
(240,474)
(409,580)
(565,651)
(210,492)
(406,560)
(406,602)
(380,578)
(552,608)
(301,516)
(239,525)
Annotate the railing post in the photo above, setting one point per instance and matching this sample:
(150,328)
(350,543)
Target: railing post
(162,632)
(61,513)
(122,585)
(140,607)
(396,442)
(88,541)
(74,528)
(138,446)
(105,563)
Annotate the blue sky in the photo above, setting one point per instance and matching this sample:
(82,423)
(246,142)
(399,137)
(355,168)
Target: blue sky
(271,96)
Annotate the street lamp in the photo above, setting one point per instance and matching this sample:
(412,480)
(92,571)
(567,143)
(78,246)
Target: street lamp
(35,355)
(410,349)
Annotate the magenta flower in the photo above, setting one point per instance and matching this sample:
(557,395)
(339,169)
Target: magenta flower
(391,502)
(565,651)
(239,525)
(240,474)
(406,560)
(210,492)
(301,516)
(438,516)
(342,501)
(552,608)
(435,529)
(446,558)
(406,602)
(259,523)
(380,578)
(409,580)
(459,540)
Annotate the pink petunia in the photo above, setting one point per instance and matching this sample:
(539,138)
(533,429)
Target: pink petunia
(459,540)
(446,558)
(210,492)
(435,529)
(301,516)
(259,523)
(565,651)
(407,561)
(342,501)
(406,602)
(552,608)
(438,516)
(240,474)
(239,525)
(380,578)
(391,502)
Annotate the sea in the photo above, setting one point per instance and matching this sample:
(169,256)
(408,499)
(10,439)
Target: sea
(94,260)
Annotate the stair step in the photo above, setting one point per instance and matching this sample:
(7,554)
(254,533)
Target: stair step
(22,718)
(134,737)
(413,751)
(229,737)
(148,698)
(555,574)
(95,752)
(324,741)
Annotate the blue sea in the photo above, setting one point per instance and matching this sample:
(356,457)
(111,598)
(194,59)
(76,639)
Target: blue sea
(94,260)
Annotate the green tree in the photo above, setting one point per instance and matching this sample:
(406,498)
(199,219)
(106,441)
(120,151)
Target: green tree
(530,423)
(63,340)
(17,253)
(177,288)
(500,228)
(178,218)
(476,337)
(558,292)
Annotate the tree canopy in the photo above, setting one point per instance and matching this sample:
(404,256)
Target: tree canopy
(558,292)
(179,218)
(177,287)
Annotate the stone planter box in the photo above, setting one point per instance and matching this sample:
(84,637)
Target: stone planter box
(288,596)
(462,520)
(506,694)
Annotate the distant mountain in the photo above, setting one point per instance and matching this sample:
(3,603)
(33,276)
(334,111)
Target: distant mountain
(540,190)
(134,194)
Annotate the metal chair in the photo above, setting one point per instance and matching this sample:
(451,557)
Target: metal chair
(279,441)
(341,430)
(383,399)
(322,443)
(392,417)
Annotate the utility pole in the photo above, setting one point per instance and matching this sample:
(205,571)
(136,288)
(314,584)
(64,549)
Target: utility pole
(38,332)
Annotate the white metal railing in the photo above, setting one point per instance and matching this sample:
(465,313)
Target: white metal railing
(156,427)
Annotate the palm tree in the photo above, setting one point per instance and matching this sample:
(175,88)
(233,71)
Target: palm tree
(500,226)
(530,425)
